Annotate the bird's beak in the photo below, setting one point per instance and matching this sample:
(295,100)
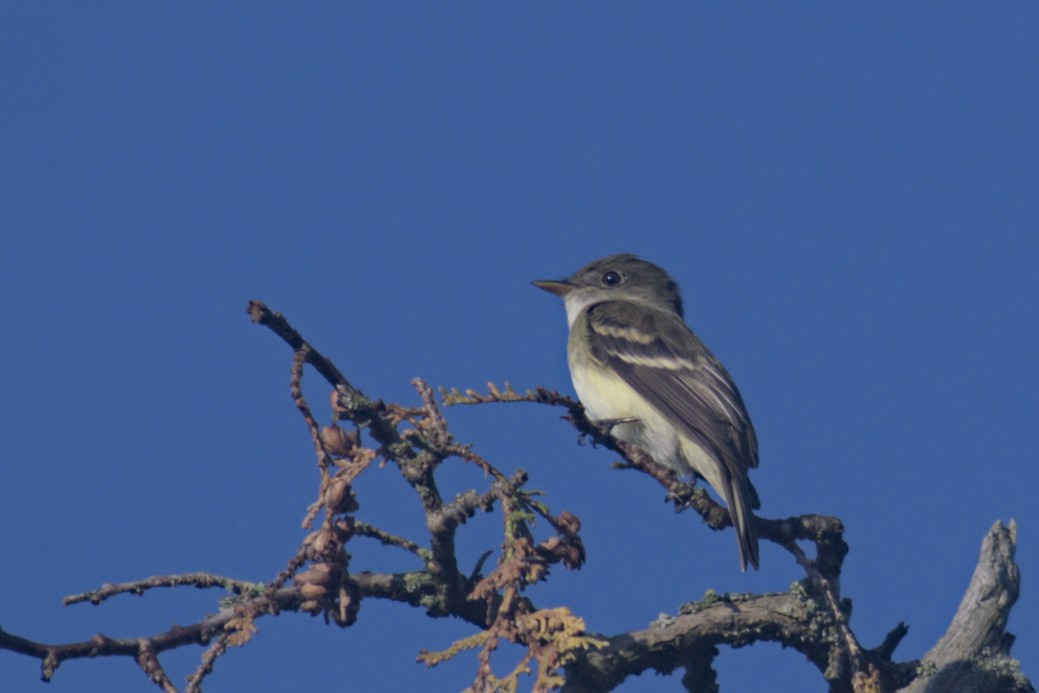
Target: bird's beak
(558,287)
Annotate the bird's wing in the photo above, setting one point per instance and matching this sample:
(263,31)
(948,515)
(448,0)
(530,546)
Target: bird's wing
(650,349)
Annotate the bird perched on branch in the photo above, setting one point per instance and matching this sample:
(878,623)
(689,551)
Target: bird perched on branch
(634,361)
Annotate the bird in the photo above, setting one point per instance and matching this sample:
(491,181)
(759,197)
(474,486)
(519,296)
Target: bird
(637,365)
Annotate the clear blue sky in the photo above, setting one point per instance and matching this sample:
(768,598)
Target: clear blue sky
(847,193)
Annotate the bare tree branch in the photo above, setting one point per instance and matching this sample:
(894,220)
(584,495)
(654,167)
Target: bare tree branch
(974,653)
(812,617)
(147,647)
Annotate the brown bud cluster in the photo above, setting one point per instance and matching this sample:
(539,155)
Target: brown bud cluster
(317,584)
(566,547)
(327,544)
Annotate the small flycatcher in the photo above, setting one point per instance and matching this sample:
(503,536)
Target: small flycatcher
(632,356)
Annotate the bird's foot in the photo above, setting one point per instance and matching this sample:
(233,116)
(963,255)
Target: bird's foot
(608,424)
(605,428)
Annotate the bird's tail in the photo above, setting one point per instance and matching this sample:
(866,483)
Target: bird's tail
(741,499)
(729,480)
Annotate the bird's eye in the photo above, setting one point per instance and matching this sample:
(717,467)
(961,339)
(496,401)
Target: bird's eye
(611,278)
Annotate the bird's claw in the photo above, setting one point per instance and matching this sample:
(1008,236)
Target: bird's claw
(608,424)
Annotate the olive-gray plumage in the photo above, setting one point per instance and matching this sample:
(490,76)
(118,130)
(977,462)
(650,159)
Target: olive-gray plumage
(631,355)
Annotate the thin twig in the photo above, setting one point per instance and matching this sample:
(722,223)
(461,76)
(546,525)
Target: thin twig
(139,587)
(371,531)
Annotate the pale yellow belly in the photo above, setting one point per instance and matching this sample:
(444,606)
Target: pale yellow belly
(605,395)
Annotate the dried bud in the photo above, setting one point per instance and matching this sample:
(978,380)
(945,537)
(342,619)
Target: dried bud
(569,522)
(569,551)
(325,574)
(336,441)
(339,498)
(310,591)
(310,605)
(317,543)
(326,568)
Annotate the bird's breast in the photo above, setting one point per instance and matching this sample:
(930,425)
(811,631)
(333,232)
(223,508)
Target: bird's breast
(606,395)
